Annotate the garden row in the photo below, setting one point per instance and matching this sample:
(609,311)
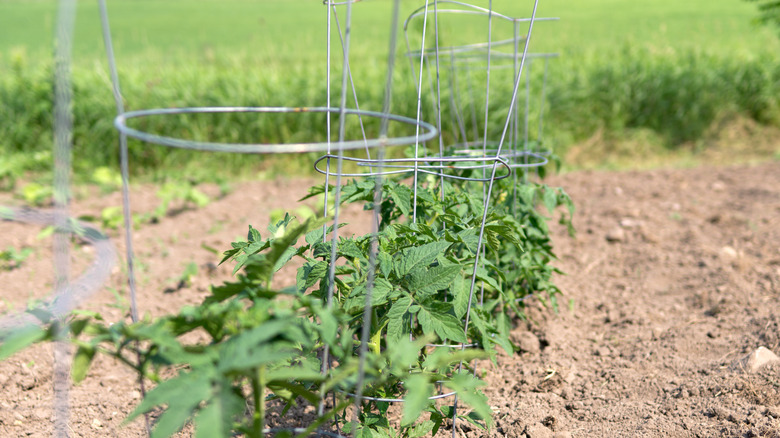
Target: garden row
(399,314)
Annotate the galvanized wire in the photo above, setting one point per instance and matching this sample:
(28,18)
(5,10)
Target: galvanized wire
(63,132)
(374,244)
(68,294)
(400,166)
(423,132)
(121,124)
(66,297)
(439,165)
(125,172)
(478,56)
(498,153)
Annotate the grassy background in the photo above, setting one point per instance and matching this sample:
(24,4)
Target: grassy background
(651,77)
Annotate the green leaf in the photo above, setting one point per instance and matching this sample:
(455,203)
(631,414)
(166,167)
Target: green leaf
(483,275)
(278,228)
(442,357)
(379,293)
(316,190)
(361,190)
(253,235)
(422,429)
(229,254)
(182,394)
(473,418)
(296,373)
(311,273)
(429,198)
(21,338)
(428,281)
(385,262)
(424,230)
(550,199)
(248,349)
(328,326)
(476,205)
(280,246)
(81,362)
(285,257)
(399,319)
(295,390)
(437,317)
(314,236)
(216,418)
(492,240)
(527,193)
(225,291)
(418,389)
(502,337)
(496,232)
(404,353)
(419,256)
(348,248)
(470,238)
(402,196)
(460,290)
(467,387)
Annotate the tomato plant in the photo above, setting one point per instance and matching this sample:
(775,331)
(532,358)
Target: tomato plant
(438,300)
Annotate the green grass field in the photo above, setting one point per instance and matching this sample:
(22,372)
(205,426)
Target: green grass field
(143,27)
(666,69)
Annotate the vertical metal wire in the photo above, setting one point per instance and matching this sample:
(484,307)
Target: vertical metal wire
(487,80)
(515,120)
(63,131)
(327,122)
(438,90)
(124,168)
(374,245)
(339,166)
(354,90)
(541,101)
(485,194)
(326,349)
(344,77)
(340,159)
(526,119)
(527,105)
(480,239)
(516,87)
(419,113)
(454,94)
(473,106)
(387,103)
(123,161)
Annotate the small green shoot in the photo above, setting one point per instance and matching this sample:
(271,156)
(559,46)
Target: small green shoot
(107,180)
(112,217)
(12,258)
(36,194)
(184,193)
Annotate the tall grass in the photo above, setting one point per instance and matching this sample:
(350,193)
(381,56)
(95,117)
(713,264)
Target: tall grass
(670,68)
(676,94)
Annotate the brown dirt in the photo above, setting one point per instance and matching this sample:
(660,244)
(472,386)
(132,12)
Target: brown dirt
(673,277)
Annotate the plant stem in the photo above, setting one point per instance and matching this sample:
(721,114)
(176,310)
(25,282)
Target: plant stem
(258,393)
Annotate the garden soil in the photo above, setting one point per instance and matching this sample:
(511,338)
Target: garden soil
(671,289)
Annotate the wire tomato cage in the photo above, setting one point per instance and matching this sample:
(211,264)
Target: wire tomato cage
(482,145)
(464,162)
